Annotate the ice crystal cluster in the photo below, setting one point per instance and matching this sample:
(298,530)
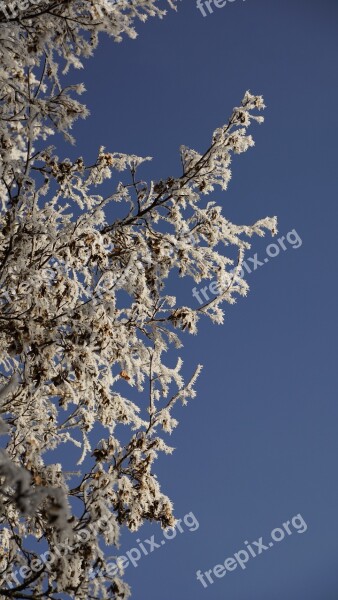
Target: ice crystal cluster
(86,322)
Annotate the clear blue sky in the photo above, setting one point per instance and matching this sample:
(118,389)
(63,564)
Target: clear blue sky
(260,442)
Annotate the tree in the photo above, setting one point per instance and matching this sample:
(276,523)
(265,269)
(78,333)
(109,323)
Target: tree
(84,313)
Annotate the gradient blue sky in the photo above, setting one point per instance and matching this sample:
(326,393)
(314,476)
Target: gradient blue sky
(259,444)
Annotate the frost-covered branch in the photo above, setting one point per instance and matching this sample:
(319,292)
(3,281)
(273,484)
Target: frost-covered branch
(86,320)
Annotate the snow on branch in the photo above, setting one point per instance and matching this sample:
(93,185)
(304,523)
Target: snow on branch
(73,355)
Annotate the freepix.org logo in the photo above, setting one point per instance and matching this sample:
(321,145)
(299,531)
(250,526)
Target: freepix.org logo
(252,550)
(291,240)
(203,5)
(11,10)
